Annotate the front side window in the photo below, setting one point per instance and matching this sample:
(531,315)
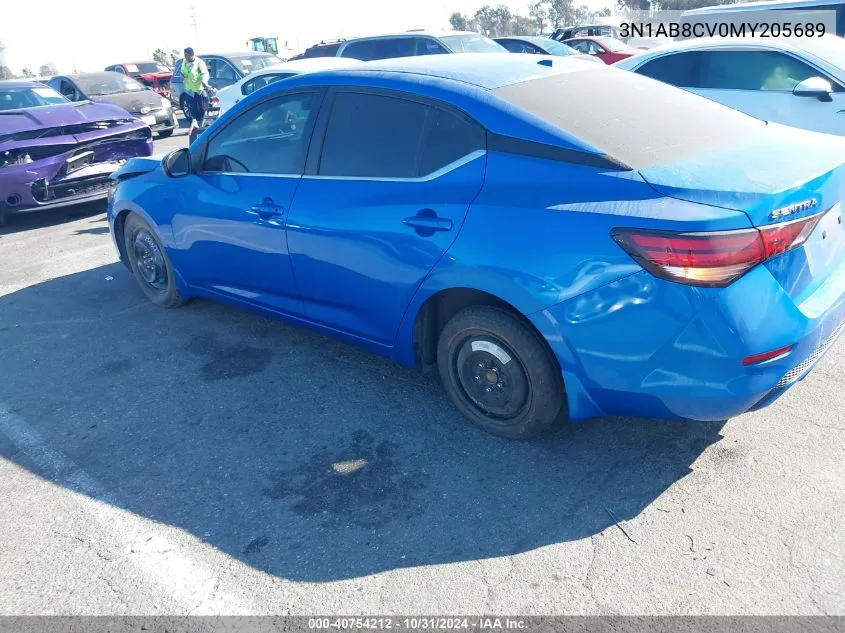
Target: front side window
(269,138)
(472,43)
(222,71)
(752,70)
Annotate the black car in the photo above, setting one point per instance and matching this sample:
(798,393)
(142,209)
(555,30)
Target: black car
(537,45)
(153,109)
(326,48)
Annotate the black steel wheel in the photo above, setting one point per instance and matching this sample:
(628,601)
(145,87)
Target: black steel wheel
(149,262)
(499,373)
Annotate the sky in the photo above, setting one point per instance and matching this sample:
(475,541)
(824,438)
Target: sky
(106,32)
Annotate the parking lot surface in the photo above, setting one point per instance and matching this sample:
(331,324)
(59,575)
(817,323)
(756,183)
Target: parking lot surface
(207,460)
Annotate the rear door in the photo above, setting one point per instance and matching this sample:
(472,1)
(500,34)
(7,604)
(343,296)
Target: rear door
(379,206)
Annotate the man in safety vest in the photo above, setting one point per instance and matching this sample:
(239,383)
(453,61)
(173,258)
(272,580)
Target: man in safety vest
(195,76)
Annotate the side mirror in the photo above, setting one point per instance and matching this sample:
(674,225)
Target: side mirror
(814,87)
(178,163)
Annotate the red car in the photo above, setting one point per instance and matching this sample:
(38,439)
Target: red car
(607,49)
(154,75)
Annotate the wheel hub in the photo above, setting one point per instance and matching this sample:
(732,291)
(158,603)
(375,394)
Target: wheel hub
(150,260)
(491,377)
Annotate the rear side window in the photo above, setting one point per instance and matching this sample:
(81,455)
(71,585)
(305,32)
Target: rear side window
(392,47)
(380,136)
(631,119)
(449,137)
(373,136)
(322,50)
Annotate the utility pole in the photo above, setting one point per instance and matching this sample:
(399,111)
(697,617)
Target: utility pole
(192,15)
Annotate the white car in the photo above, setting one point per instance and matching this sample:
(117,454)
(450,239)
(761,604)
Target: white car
(797,81)
(230,95)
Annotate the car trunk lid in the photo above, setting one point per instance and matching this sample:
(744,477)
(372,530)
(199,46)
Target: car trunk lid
(777,175)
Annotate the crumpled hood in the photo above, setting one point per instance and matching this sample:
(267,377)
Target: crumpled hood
(132,101)
(777,167)
(28,119)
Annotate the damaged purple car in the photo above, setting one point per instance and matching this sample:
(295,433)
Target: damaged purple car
(55,153)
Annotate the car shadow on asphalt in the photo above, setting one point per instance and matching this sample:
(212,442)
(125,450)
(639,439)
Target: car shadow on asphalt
(16,223)
(299,455)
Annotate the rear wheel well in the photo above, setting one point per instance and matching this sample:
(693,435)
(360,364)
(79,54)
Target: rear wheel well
(439,308)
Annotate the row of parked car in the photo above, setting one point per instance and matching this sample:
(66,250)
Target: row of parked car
(798,82)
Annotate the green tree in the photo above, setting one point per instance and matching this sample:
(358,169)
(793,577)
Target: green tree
(524,26)
(561,12)
(48,70)
(26,73)
(161,57)
(538,13)
(6,73)
(458,21)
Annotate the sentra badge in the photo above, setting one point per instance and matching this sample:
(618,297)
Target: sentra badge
(794,208)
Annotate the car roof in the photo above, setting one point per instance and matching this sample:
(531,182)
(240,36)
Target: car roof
(534,39)
(483,70)
(429,33)
(103,74)
(721,42)
(20,83)
(238,54)
(309,64)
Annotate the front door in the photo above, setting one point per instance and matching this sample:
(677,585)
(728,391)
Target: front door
(392,186)
(761,83)
(231,237)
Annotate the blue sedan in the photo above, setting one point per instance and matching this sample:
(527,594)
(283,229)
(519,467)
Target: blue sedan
(552,236)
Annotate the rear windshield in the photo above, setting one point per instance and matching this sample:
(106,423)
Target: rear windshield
(472,43)
(613,45)
(635,120)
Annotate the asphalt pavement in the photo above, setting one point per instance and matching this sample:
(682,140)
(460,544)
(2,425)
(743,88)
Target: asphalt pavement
(207,460)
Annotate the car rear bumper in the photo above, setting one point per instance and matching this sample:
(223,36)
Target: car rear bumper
(646,347)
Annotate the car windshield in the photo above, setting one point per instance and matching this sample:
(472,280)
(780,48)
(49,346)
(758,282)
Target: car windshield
(107,85)
(147,67)
(249,64)
(829,48)
(556,48)
(472,43)
(613,45)
(29,97)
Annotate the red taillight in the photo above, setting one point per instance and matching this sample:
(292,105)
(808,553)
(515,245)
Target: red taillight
(215,101)
(759,358)
(712,259)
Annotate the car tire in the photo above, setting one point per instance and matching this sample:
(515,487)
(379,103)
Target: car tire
(165,133)
(499,373)
(150,264)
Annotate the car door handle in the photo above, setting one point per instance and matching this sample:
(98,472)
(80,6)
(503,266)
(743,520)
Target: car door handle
(267,209)
(428,222)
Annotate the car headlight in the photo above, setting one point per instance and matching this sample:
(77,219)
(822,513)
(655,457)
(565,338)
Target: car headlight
(165,103)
